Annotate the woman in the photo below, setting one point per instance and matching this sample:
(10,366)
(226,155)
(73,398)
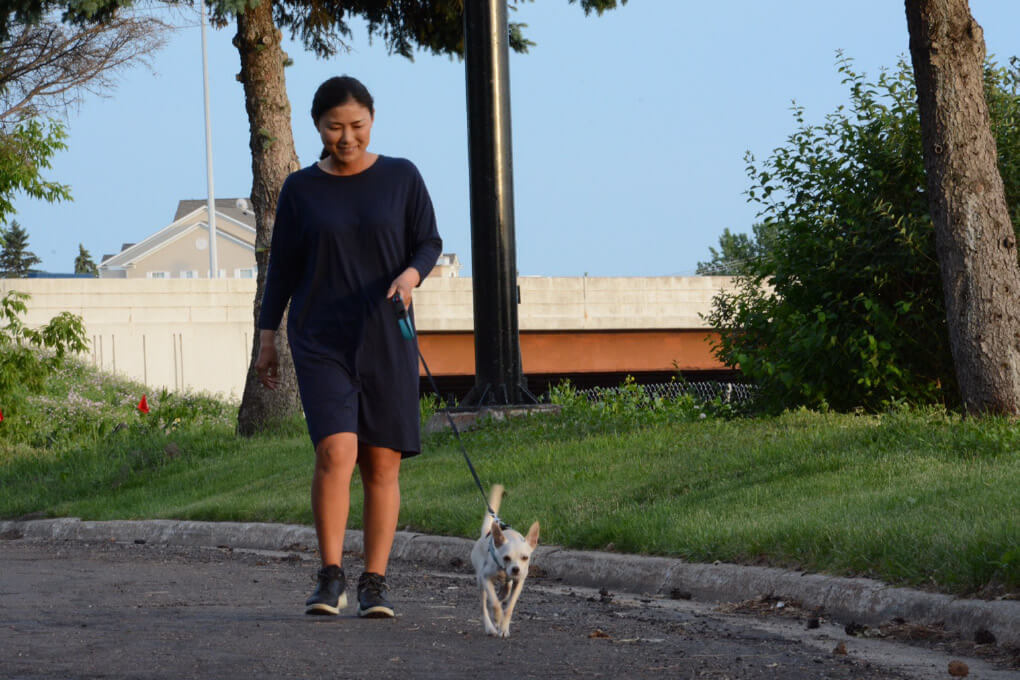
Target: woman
(351,231)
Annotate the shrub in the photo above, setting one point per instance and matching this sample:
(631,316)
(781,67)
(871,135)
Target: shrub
(28,355)
(844,307)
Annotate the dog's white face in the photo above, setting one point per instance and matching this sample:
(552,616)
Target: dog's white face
(513,550)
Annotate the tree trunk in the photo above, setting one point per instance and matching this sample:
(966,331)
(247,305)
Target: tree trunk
(974,238)
(272,159)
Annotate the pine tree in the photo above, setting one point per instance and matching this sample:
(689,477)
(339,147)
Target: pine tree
(84,264)
(15,258)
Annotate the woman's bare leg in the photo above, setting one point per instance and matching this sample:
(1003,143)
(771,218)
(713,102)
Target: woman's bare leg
(380,470)
(335,456)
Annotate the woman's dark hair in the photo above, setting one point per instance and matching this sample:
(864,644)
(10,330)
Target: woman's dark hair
(340,90)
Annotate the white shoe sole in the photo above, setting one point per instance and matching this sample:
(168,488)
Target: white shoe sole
(378,612)
(323,608)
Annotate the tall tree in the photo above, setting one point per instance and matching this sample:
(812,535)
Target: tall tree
(974,237)
(16,260)
(84,264)
(272,158)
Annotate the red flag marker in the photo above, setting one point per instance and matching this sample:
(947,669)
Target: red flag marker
(143,405)
(1,416)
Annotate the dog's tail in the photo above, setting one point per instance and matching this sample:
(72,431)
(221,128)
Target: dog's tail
(495,497)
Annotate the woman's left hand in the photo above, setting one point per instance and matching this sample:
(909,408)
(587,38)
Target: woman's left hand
(404,284)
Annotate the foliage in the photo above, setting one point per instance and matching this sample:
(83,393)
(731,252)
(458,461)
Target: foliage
(22,365)
(321,25)
(84,264)
(1002,89)
(844,305)
(631,406)
(429,405)
(26,150)
(737,251)
(77,409)
(45,69)
(16,260)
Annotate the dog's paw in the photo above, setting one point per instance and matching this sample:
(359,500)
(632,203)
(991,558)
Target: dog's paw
(491,629)
(504,631)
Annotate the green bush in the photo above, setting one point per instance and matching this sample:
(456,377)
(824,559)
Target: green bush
(629,407)
(844,307)
(28,355)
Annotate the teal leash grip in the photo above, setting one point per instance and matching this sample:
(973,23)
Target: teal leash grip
(403,318)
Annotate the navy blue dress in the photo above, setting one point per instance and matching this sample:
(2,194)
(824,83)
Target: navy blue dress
(338,244)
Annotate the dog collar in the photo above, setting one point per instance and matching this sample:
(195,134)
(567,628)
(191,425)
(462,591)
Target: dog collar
(495,557)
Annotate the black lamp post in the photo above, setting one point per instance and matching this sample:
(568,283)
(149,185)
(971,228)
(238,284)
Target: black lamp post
(499,379)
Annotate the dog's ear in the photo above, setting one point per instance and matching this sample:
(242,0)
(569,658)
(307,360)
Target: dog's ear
(532,537)
(498,538)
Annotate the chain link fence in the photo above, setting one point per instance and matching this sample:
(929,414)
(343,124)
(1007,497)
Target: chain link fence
(728,392)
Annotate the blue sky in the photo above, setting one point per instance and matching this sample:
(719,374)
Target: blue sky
(629,133)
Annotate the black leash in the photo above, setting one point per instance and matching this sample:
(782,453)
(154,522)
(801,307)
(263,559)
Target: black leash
(407,330)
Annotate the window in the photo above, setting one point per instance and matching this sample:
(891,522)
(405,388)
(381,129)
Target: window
(189,274)
(222,273)
(157,275)
(244,273)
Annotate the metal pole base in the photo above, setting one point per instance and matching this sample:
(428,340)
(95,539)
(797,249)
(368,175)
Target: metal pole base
(490,394)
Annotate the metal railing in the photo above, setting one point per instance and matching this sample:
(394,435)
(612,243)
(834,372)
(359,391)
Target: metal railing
(728,392)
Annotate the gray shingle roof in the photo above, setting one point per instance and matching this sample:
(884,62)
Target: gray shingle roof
(227,206)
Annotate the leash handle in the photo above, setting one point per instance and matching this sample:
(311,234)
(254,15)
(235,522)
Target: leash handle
(403,318)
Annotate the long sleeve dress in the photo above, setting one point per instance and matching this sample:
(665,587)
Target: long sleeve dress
(338,244)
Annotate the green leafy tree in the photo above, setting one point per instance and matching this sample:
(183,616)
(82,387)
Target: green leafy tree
(25,151)
(28,355)
(84,264)
(844,305)
(16,260)
(736,252)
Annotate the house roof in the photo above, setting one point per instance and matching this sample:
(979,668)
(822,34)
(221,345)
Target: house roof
(184,222)
(224,206)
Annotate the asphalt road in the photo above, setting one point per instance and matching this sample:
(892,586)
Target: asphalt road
(74,609)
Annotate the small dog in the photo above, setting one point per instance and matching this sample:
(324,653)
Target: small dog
(500,557)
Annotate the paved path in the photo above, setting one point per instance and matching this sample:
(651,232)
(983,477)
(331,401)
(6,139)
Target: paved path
(78,609)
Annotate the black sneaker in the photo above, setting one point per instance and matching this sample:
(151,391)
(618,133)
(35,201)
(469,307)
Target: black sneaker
(372,602)
(329,596)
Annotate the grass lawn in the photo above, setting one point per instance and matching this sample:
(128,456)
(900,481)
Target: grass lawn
(916,496)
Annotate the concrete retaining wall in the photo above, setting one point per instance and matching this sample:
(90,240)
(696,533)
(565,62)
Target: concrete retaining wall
(197,333)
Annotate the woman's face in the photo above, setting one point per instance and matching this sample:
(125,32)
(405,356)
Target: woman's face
(345,131)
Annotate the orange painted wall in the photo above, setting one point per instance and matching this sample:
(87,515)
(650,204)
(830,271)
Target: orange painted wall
(582,351)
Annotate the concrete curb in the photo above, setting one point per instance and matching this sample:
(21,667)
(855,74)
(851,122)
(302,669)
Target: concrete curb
(864,601)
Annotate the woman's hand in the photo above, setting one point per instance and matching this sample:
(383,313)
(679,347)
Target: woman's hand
(404,284)
(267,365)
